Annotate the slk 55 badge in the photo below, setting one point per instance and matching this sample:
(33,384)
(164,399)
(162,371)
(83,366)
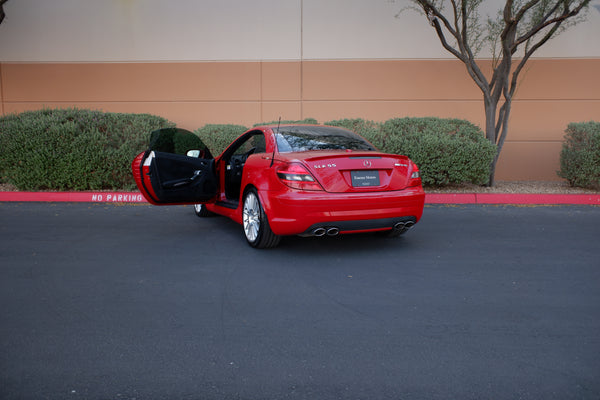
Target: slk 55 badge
(317,166)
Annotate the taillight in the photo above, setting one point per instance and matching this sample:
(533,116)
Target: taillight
(415,176)
(297,176)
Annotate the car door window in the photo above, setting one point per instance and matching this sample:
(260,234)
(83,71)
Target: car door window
(177,141)
(254,143)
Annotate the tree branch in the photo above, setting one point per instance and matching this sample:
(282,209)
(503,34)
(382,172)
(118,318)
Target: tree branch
(464,53)
(445,44)
(525,8)
(432,12)
(506,39)
(528,54)
(466,49)
(2,15)
(545,22)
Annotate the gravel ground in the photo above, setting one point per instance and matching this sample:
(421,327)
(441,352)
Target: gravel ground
(557,187)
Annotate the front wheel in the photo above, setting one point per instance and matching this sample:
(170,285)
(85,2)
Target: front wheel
(256,225)
(201,211)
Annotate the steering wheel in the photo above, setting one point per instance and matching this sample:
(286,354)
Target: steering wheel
(237,162)
(249,152)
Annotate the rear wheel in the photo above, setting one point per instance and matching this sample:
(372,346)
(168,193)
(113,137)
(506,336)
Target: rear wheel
(256,225)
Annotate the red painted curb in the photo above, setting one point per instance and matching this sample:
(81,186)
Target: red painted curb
(450,198)
(91,197)
(430,198)
(511,198)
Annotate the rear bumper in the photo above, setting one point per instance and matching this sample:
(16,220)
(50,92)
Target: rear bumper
(297,212)
(363,225)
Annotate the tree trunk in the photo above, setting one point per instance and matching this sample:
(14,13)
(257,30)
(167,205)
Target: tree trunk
(491,107)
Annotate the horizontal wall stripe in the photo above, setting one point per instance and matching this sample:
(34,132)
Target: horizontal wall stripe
(131,82)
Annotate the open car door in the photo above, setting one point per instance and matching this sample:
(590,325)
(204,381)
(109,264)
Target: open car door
(176,169)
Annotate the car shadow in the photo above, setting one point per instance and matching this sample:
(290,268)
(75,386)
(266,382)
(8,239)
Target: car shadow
(348,243)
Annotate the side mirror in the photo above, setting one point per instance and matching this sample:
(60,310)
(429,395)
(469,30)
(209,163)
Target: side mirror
(193,153)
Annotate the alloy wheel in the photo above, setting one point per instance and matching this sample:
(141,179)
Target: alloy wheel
(251,217)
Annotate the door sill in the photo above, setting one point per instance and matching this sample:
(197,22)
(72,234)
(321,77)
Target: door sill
(231,204)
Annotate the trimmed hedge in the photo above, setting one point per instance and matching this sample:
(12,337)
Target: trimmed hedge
(447,151)
(218,136)
(72,149)
(305,121)
(368,129)
(580,155)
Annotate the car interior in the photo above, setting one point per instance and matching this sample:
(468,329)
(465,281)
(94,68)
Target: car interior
(253,143)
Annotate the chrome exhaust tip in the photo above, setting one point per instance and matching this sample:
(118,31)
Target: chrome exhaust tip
(398,226)
(333,231)
(319,232)
(409,224)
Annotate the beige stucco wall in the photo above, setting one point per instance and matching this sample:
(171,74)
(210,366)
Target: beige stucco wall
(227,30)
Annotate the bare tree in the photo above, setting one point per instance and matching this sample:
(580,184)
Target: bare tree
(518,31)
(2,10)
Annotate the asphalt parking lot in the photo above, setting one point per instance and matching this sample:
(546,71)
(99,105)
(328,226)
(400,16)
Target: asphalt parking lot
(108,301)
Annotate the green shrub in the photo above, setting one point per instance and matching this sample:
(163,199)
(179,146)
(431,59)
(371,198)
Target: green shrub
(447,151)
(218,136)
(71,149)
(580,155)
(75,149)
(368,129)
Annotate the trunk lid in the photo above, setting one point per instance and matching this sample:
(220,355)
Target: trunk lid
(354,171)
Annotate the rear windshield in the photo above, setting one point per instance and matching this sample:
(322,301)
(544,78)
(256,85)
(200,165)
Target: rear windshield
(307,138)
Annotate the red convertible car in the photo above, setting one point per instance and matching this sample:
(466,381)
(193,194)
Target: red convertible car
(283,180)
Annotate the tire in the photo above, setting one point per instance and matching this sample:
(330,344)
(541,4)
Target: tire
(201,211)
(256,225)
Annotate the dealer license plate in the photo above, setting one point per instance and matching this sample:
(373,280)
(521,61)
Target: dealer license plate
(365,178)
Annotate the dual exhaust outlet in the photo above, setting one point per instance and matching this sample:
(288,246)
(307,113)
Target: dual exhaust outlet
(403,226)
(321,231)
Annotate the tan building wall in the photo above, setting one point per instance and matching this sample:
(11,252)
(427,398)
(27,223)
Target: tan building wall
(552,94)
